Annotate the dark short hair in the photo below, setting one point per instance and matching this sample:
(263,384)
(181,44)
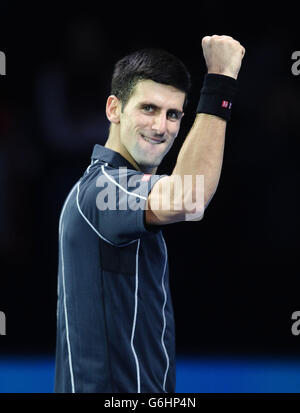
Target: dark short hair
(148,64)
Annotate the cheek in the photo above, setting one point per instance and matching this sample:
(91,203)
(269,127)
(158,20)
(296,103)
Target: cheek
(127,127)
(174,130)
(141,122)
(136,123)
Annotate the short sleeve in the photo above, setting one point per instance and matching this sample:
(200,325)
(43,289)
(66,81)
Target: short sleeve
(113,202)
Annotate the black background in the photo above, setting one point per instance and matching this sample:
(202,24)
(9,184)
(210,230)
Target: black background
(234,275)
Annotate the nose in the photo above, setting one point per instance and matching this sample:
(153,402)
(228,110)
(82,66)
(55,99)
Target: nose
(160,124)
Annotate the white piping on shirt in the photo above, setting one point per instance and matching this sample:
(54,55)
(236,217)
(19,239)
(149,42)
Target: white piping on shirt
(91,164)
(94,229)
(163,313)
(134,318)
(85,218)
(61,233)
(66,313)
(123,189)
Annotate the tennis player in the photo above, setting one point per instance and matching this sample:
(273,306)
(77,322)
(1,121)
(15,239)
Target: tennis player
(115,321)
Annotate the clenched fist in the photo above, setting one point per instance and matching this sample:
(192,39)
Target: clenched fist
(223,55)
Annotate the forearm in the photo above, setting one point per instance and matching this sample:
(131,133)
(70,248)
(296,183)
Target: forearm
(202,153)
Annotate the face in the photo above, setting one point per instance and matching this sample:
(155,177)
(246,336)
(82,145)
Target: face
(150,122)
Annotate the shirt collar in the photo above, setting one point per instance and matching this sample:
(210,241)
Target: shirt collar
(114,159)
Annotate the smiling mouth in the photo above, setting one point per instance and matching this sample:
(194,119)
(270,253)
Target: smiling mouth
(153,140)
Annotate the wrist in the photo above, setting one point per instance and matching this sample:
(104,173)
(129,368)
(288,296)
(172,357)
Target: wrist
(223,73)
(217,95)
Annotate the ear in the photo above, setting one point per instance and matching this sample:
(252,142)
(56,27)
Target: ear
(113,109)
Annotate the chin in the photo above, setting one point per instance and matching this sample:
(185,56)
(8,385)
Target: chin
(145,162)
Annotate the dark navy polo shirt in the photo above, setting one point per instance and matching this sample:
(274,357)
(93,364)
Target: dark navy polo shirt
(115,324)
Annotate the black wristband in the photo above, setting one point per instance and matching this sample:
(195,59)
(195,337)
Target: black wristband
(217,95)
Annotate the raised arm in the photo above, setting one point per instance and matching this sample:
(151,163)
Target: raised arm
(202,151)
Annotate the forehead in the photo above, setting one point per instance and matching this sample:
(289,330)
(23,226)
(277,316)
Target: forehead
(157,93)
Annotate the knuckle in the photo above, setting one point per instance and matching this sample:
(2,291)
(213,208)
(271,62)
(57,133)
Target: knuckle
(215,38)
(206,40)
(224,36)
(222,40)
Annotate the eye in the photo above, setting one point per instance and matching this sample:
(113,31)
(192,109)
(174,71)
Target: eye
(148,108)
(173,115)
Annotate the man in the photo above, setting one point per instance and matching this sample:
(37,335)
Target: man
(115,328)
